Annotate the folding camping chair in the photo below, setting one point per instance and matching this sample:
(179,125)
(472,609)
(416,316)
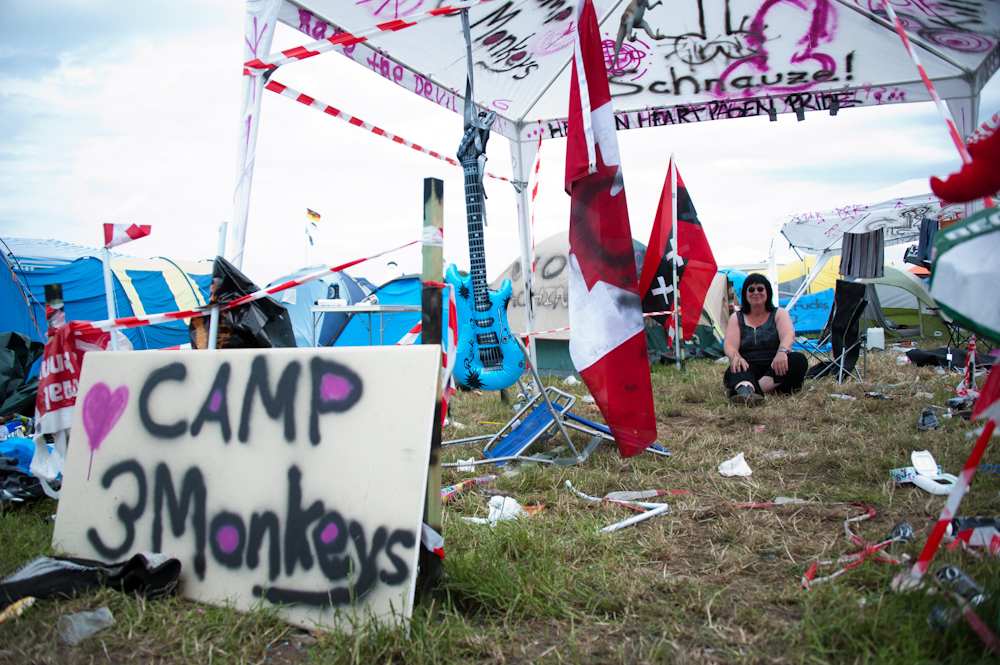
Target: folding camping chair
(843,332)
(542,416)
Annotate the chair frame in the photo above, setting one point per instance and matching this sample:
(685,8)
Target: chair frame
(826,336)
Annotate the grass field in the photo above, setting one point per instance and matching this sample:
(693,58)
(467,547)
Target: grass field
(707,582)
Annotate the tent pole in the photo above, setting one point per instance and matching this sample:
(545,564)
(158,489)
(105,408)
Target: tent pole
(431,300)
(521,156)
(817,268)
(213,321)
(109,294)
(675,250)
(261,18)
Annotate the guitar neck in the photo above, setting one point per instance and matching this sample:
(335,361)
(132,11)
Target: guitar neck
(474,218)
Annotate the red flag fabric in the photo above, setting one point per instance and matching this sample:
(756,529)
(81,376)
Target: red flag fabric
(608,343)
(696,265)
(988,404)
(119,234)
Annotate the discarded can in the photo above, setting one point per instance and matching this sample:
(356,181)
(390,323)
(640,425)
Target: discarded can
(941,618)
(902,532)
(958,402)
(953,578)
(928,421)
(966,523)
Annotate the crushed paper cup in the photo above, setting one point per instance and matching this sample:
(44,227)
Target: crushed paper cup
(502,509)
(735,467)
(468,466)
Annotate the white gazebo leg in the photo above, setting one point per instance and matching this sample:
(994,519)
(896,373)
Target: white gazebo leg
(522,154)
(261,17)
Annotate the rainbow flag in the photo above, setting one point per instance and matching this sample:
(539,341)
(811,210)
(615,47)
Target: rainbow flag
(312,215)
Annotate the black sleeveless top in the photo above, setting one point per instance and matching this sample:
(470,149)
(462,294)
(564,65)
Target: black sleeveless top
(760,343)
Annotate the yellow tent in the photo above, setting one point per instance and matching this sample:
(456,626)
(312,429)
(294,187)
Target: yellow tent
(791,275)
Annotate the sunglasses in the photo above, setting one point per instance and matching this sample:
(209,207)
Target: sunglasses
(760,287)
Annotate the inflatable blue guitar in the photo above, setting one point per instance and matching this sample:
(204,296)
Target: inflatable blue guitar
(488,356)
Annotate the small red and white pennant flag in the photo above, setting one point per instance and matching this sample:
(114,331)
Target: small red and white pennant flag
(119,234)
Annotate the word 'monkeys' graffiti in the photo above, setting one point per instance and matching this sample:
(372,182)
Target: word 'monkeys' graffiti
(296,476)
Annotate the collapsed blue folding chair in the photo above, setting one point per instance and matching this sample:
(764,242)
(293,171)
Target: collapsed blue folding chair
(543,416)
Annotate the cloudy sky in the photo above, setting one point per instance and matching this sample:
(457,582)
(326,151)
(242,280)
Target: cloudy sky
(115,111)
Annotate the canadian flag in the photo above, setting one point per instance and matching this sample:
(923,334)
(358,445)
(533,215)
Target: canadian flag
(608,344)
(119,234)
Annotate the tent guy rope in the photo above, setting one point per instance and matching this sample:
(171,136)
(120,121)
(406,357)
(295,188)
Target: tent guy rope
(314,103)
(257,67)
(942,109)
(152,319)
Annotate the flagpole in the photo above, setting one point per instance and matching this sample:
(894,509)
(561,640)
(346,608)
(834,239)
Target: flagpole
(109,294)
(678,331)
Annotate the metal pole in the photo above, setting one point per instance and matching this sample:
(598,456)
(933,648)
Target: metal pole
(556,416)
(521,155)
(213,321)
(109,294)
(433,271)
(678,329)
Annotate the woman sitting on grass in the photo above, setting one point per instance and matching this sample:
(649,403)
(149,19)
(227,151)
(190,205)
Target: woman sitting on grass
(759,347)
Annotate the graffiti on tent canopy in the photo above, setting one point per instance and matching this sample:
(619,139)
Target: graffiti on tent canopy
(729,50)
(506,44)
(720,110)
(314,535)
(957,25)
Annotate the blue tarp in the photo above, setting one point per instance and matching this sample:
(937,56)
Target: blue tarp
(811,311)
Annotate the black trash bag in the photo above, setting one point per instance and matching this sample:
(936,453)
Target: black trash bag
(939,357)
(17,354)
(691,352)
(152,575)
(16,486)
(261,324)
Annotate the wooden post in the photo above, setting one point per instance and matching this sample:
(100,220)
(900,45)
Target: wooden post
(433,247)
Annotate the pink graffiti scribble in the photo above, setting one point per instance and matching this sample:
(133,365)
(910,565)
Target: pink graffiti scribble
(101,412)
(821,30)
(551,41)
(396,9)
(258,35)
(629,59)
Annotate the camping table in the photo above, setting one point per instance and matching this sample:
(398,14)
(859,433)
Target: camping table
(318,310)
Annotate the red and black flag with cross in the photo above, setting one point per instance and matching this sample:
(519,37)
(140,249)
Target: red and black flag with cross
(696,265)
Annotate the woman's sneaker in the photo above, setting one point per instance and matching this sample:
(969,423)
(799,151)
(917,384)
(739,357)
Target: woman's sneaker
(746,395)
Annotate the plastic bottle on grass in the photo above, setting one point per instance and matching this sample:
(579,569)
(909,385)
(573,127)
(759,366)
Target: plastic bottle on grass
(75,628)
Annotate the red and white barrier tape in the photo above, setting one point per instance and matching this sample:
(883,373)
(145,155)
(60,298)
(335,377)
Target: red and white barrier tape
(256,66)
(853,560)
(152,319)
(555,330)
(323,107)
(942,109)
(951,506)
(534,194)
(986,130)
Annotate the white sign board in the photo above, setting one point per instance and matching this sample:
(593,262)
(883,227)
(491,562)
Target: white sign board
(289,476)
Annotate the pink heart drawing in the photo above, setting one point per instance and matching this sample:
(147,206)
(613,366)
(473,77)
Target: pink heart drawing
(101,411)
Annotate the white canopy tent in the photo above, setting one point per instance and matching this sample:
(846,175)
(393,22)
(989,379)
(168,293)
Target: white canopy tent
(821,233)
(683,62)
